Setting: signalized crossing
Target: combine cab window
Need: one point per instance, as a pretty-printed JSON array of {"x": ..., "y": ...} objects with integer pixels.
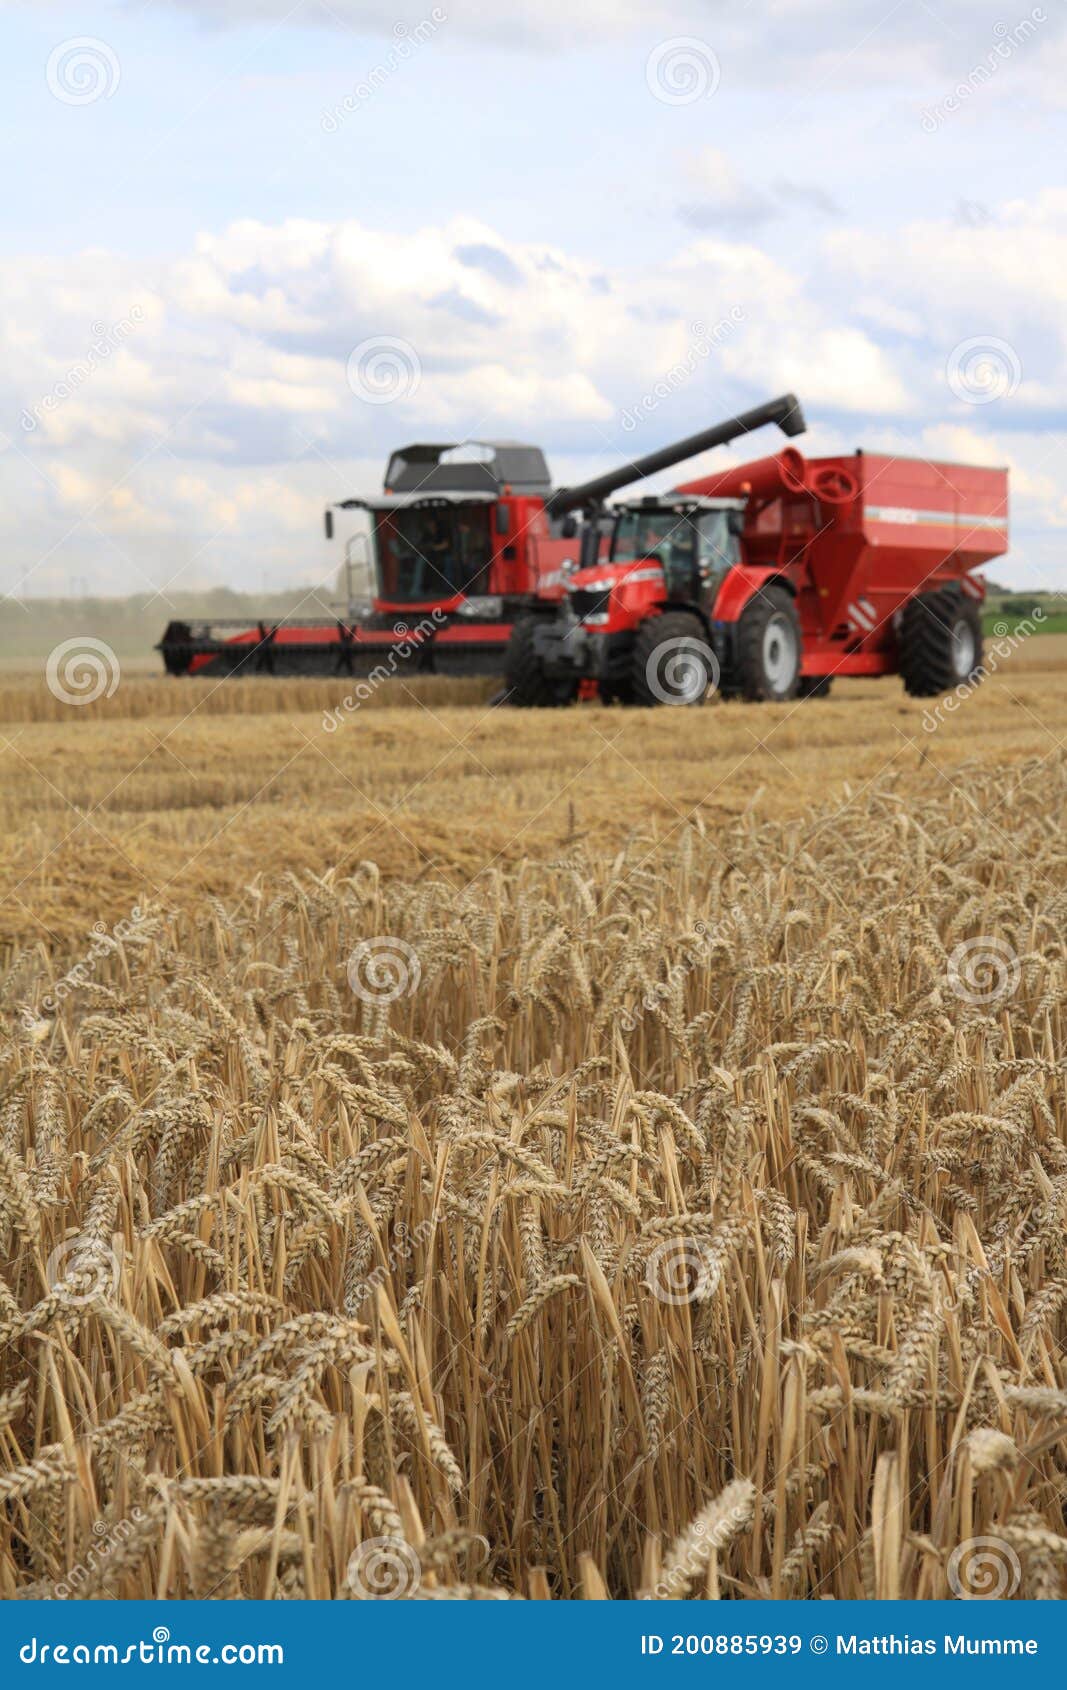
[
  {"x": 432, "y": 552},
  {"x": 694, "y": 547}
]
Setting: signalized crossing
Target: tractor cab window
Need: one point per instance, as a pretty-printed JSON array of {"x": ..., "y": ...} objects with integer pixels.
[
  {"x": 433, "y": 551},
  {"x": 694, "y": 547}
]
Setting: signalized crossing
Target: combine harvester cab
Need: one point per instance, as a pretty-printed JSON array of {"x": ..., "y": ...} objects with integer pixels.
[{"x": 768, "y": 580}]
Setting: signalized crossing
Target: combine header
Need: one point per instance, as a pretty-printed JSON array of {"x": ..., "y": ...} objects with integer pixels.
[
  {"x": 769, "y": 580},
  {"x": 464, "y": 541}
]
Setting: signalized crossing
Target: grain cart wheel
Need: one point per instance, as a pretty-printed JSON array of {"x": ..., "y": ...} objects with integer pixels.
[
  {"x": 526, "y": 683},
  {"x": 672, "y": 662},
  {"x": 940, "y": 642},
  {"x": 814, "y": 686},
  {"x": 768, "y": 647}
]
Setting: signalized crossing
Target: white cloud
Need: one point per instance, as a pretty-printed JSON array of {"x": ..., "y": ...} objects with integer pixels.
[{"x": 206, "y": 437}]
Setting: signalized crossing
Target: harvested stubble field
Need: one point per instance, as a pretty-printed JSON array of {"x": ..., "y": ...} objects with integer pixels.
[{"x": 674, "y": 1205}]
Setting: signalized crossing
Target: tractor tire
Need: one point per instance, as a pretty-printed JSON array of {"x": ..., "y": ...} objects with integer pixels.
[
  {"x": 526, "y": 684},
  {"x": 672, "y": 661},
  {"x": 768, "y": 648},
  {"x": 939, "y": 641},
  {"x": 814, "y": 686}
]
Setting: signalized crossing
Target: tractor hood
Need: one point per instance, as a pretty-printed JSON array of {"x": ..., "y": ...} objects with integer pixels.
[{"x": 601, "y": 577}]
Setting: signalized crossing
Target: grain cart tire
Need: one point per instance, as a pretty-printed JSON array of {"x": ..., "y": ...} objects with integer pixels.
[
  {"x": 940, "y": 642},
  {"x": 526, "y": 684},
  {"x": 768, "y": 647},
  {"x": 671, "y": 662},
  {"x": 814, "y": 686}
]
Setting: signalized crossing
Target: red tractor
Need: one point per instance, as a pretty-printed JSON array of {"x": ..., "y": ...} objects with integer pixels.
[
  {"x": 463, "y": 541},
  {"x": 767, "y": 581}
]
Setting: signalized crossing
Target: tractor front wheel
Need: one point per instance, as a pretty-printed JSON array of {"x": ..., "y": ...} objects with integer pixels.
[
  {"x": 768, "y": 647},
  {"x": 671, "y": 661},
  {"x": 940, "y": 642},
  {"x": 527, "y": 684}
]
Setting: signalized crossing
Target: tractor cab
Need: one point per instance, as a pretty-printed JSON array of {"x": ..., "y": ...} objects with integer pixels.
[{"x": 693, "y": 540}]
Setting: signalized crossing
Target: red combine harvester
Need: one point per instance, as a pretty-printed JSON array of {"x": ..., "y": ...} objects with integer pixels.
[
  {"x": 463, "y": 541},
  {"x": 769, "y": 580}
]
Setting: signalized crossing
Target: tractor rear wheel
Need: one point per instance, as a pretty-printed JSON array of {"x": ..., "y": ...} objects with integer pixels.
[
  {"x": 940, "y": 642},
  {"x": 526, "y": 683},
  {"x": 768, "y": 647},
  {"x": 671, "y": 661}
]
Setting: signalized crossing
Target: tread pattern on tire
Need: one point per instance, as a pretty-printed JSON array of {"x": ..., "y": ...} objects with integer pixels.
[
  {"x": 750, "y": 679},
  {"x": 924, "y": 641},
  {"x": 527, "y": 686},
  {"x": 657, "y": 631}
]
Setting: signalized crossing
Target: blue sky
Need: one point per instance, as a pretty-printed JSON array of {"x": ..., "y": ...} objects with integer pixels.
[{"x": 557, "y": 221}]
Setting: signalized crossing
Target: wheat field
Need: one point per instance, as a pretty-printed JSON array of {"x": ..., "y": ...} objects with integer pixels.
[{"x": 618, "y": 1154}]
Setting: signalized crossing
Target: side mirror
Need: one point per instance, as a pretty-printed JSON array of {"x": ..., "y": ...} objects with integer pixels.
[
  {"x": 569, "y": 528},
  {"x": 735, "y": 522},
  {"x": 329, "y": 524},
  {"x": 503, "y": 519}
]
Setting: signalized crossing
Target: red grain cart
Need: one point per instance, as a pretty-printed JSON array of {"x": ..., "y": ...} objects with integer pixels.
[{"x": 769, "y": 580}]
